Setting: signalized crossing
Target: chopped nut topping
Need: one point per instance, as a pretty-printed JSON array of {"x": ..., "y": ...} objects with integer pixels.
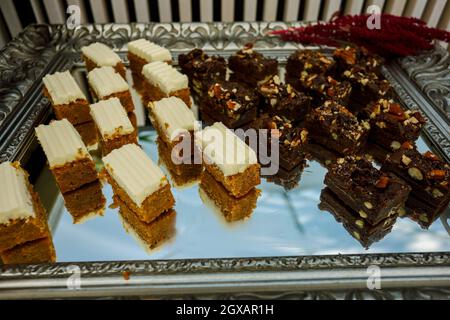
[
  {"x": 415, "y": 173},
  {"x": 395, "y": 145},
  {"x": 383, "y": 182},
  {"x": 359, "y": 223},
  {"x": 407, "y": 145},
  {"x": 406, "y": 160},
  {"x": 431, "y": 156},
  {"x": 368, "y": 205},
  {"x": 362, "y": 214},
  {"x": 437, "y": 193},
  {"x": 437, "y": 174}
]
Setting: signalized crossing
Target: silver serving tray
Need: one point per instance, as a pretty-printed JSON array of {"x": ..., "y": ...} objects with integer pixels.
[{"x": 287, "y": 249}]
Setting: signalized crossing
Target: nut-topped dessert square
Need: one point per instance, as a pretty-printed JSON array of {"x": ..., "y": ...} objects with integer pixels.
[
  {"x": 309, "y": 62},
  {"x": 138, "y": 182},
  {"x": 429, "y": 178},
  {"x": 230, "y": 103},
  {"x": 105, "y": 83},
  {"x": 349, "y": 56},
  {"x": 250, "y": 67},
  {"x": 202, "y": 70},
  {"x": 98, "y": 55},
  {"x": 176, "y": 126},
  {"x": 67, "y": 99},
  {"x": 162, "y": 81},
  {"x": 113, "y": 124},
  {"x": 68, "y": 157},
  {"x": 334, "y": 127},
  {"x": 283, "y": 100},
  {"x": 22, "y": 216},
  {"x": 373, "y": 194}
]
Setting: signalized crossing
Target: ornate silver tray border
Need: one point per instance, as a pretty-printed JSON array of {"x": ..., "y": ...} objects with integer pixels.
[{"x": 24, "y": 61}]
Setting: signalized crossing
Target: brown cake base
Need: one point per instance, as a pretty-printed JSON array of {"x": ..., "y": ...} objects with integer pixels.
[
  {"x": 33, "y": 252},
  {"x": 85, "y": 202},
  {"x": 21, "y": 231},
  {"x": 88, "y": 133},
  {"x": 239, "y": 184},
  {"x": 159, "y": 201},
  {"x": 154, "y": 93},
  {"x": 119, "y": 67},
  {"x": 232, "y": 208},
  {"x": 153, "y": 233},
  {"x": 75, "y": 112},
  {"x": 137, "y": 63},
  {"x": 181, "y": 174},
  {"x": 75, "y": 174},
  {"x": 118, "y": 141}
]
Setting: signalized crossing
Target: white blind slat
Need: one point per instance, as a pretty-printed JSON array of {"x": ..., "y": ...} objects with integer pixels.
[
  {"x": 165, "y": 11},
  {"x": 291, "y": 8},
  {"x": 433, "y": 12},
  {"x": 379, "y": 3},
  {"x": 415, "y": 8},
  {"x": 444, "y": 23},
  {"x": 185, "y": 10},
  {"x": 11, "y": 18},
  {"x": 142, "y": 10},
  {"x": 4, "y": 36},
  {"x": 354, "y": 6},
  {"x": 99, "y": 11},
  {"x": 395, "y": 7},
  {"x": 250, "y": 10},
  {"x": 270, "y": 10},
  {"x": 37, "y": 11},
  {"x": 80, "y": 4},
  {"x": 330, "y": 7},
  {"x": 312, "y": 8},
  {"x": 227, "y": 8},
  {"x": 206, "y": 10},
  {"x": 55, "y": 11},
  {"x": 120, "y": 11}
]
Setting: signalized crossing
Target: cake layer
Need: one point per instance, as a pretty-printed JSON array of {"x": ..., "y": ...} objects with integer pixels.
[
  {"x": 62, "y": 88},
  {"x": 172, "y": 116},
  {"x": 149, "y": 51},
  {"x": 105, "y": 81},
  {"x": 165, "y": 77},
  {"x": 111, "y": 118},
  {"x": 101, "y": 54},
  {"x": 32, "y": 252},
  {"x": 61, "y": 143},
  {"x": 134, "y": 172},
  {"x": 15, "y": 199},
  {"x": 224, "y": 149}
]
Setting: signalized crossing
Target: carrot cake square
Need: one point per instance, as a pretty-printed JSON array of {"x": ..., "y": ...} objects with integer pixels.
[
  {"x": 232, "y": 208},
  {"x": 85, "y": 202},
  {"x": 67, "y": 99},
  {"x": 141, "y": 52},
  {"x": 138, "y": 182},
  {"x": 88, "y": 133},
  {"x": 68, "y": 157},
  {"x": 22, "y": 216},
  {"x": 32, "y": 252},
  {"x": 151, "y": 233},
  {"x": 105, "y": 83},
  {"x": 175, "y": 122},
  {"x": 98, "y": 55},
  {"x": 113, "y": 124},
  {"x": 228, "y": 159},
  {"x": 162, "y": 81}
]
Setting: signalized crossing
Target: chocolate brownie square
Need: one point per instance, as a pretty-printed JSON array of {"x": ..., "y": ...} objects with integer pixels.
[
  {"x": 349, "y": 56},
  {"x": 309, "y": 61}
]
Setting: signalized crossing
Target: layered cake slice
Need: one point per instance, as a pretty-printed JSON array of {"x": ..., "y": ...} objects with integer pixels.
[
  {"x": 23, "y": 219},
  {"x": 98, "y": 55},
  {"x": 67, "y": 99},
  {"x": 176, "y": 125},
  {"x": 89, "y": 134},
  {"x": 138, "y": 182},
  {"x": 429, "y": 178},
  {"x": 113, "y": 124},
  {"x": 105, "y": 83},
  {"x": 142, "y": 51},
  {"x": 67, "y": 156},
  {"x": 162, "y": 81},
  {"x": 32, "y": 252}
]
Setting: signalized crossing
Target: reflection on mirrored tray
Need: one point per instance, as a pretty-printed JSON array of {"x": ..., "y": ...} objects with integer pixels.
[{"x": 284, "y": 223}]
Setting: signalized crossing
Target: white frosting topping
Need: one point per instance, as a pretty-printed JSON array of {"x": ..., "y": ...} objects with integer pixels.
[
  {"x": 15, "y": 198},
  {"x": 223, "y": 148},
  {"x": 111, "y": 118},
  {"x": 63, "y": 88},
  {"x": 173, "y": 116},
  {"x": 164, "y": 76},
  {"x": 134, "y": 172},
  {"x": 61, "y": 143},
  {"x": 149, "y": 51},
  {"x": 101, "y": 54},
  {"x": 105, "y": 81}
]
